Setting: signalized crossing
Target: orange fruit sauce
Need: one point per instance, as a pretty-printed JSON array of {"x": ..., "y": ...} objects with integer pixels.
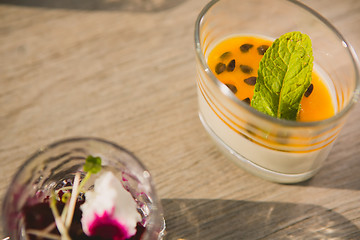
[{"x": 244, "y": 52}]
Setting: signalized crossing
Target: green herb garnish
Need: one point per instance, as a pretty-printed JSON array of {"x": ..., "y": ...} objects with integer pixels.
[
  {"x": 284, "y": 75},
  {"x": 92, "y": 164},
  {"x": 63, "y": 221}
]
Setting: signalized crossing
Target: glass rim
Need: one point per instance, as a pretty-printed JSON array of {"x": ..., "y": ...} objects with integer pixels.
[
  {"x": 54, "y": 144},
  {"x": 287, "y": 123}
]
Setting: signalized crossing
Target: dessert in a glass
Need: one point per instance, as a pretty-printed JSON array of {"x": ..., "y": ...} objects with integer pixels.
[
  {"x": 83, "y": 188},
  {"x": 275, "y": 84}
]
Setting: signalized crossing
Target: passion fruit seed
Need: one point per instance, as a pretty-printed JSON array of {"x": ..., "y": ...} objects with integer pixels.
[
  {"x": 245, "y": 47},
  {"x": 262, "y": 49},
  {"x": 309, "y": 90},
  {"x": 246, "y": 68},
  {"x": 225, "y": 55},
  {"x": 220, "y": 67},
  {"x": 231, "y": 66},
  {"x": 246, "y": 100},
  {"x": 232, "y": 87},
  {"x": 250, "y": 81}
]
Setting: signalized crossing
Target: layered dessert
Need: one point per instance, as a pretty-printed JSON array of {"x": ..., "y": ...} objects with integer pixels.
[{"x": 276, "y": 151}]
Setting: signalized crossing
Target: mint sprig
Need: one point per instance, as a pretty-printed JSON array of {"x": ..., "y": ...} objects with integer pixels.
[{"x": 284, "y": 75}]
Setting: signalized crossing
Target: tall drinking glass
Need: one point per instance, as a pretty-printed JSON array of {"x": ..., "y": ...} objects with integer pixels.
[{"x": 275, "y": 149}]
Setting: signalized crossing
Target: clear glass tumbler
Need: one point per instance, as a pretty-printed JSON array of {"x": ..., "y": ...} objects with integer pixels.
[
  {"x": 55, "y": 165},
  {"x": 274, "y": 149}
]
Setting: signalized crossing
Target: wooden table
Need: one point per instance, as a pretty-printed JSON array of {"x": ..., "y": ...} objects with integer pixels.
[{"x": 125, "y": 71}]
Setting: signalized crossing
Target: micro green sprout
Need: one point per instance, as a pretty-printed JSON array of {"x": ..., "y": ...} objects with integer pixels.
[
  {"x": 69, "y": 197},
  {"x": 92, "y": 166}
]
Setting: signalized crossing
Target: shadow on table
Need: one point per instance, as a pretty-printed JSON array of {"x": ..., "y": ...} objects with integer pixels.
[
  {"x": 227, "y": 219},
  {"x": 94, "y": 5}
]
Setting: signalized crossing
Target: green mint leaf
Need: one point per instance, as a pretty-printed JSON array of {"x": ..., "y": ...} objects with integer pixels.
[
  {"x": 92, "y": 164},
  {"x": 284, "y": 75}
]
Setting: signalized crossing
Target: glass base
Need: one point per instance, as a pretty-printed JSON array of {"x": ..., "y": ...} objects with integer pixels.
[{"x": 252, "y": 167}]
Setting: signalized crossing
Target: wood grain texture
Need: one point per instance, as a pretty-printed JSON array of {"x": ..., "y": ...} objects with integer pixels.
[{"x": 126, "y": 73}]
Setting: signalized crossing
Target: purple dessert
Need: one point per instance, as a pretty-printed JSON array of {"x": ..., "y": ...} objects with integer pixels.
[{"x": 106, "y": 212}]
